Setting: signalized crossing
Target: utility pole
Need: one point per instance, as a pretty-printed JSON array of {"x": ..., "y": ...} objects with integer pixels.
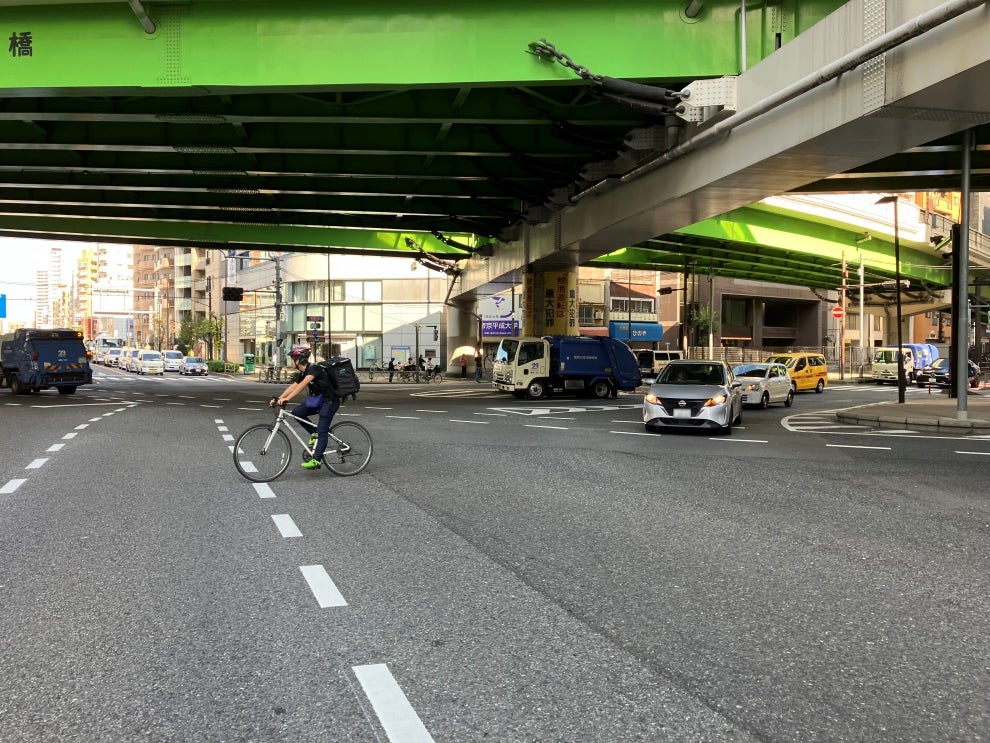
[{"x": 276, "y": 360}]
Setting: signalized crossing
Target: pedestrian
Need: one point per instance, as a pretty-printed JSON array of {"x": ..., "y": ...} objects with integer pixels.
[
  {"x": 321, "y": 399},
  {"x": 463, "y": 366},
  {"x": 478, "y": 359},
  {"x": 391, "y": 368},
  {"x": 422, "y": 363}
]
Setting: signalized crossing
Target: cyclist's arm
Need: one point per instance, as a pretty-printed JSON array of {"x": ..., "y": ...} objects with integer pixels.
[{"x": 293, "y": 389}]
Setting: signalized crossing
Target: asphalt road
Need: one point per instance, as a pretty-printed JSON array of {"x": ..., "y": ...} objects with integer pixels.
[{"x": 504, "y": 571}]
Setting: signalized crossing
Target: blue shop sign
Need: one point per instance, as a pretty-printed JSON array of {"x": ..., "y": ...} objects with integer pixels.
[{"x": 640, "y": 331}]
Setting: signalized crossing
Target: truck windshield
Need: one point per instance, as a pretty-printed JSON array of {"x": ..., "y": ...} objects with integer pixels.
[
  {"x": 884, "y": 357},
  {"x": 506, "y": 352}
]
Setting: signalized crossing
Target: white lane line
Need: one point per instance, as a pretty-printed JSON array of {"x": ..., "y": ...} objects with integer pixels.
[
  {"x": 210, "y": 406},
  {"x": 187, "y": 397},
  {"x": 254, "y": 409},
  {"x": 427, "y": 410},
  {"x": 222, "y": 428},
  {"x": 635, "y": 433},
  {"x": 375, "y": 407},
  {"x": 397, "y": 716},
  {"x": 228, "y": 437},
  {"x": 638, "y": 423},
  {"x": 175, "y": 403},
  {"x": 70, "y": 435},
  {"x": 11, "y": 486},
  {"x": 286, "y": 526},
  {"x": 262, "y": 488},
  {"x": 554, "y": 418},
  {"x": 494, "y": 415},
  {"x": 729, "y": 439},
  {"x": 81, "y": 426},
  {"x": 218, "y": 420},
  {"x": 55, "y": 447},
  {"x": 322, "y": 586},
  {"x": 480, "y": 423},
  {"x": 556, "y": 428},
  {"x": 37, "y": 464},
  {"x": 851, "y": 446},
  {"x": 404, "y": 417},
  {"x": 977, "y": 453},
  {"x": 94, "y": 420}
]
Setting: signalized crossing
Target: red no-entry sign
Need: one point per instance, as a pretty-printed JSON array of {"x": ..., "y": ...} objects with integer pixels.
[{"x": 838, "y": 313}]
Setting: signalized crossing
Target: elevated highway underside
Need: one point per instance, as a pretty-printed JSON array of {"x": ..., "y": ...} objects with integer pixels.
[{"x": 288, "y": 126}]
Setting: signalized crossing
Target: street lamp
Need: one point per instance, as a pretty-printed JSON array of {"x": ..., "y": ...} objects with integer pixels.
[{"x": 901, "y": 381}]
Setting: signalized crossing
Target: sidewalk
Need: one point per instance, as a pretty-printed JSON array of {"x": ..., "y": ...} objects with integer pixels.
[{"x": 924, "y": 412}]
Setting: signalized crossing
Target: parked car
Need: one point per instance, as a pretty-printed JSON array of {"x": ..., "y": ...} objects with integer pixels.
[
  {"x": 763, "y": 384},
  {"x": 939, "y": 374},
  {"x": 694, "y": 394},
  {"x": 111, "y": 357},
  {"x": 128, "y": 360},
  {"x": 808, "y": 371},
  {"x": 194, "y": 365},
  {"x": 149, "y": 362},
  {"x": 651, "y": 362},
  {"x": 172, "y": 359}
]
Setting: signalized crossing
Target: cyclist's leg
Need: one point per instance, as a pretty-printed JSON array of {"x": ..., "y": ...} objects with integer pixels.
[
  {"x": 327, "y": 411},
  {"x": 304, "y": 411}
]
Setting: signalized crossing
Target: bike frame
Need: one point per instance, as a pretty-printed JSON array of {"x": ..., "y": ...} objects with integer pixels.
[{"x": 284, "y": 416}]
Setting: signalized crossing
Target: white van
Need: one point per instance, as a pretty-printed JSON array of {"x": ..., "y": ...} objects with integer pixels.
[
  {"x": 149, "y": 362},
  {"x": 172, "y": 359},
  {"x": 651, "y": 362}
]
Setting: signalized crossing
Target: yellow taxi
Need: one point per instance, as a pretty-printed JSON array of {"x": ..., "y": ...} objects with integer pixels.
[{"x": 808, "y": 370}]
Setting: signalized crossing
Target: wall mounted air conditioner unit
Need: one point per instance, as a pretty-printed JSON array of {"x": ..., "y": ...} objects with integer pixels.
[{"x": 599, "y": 315}]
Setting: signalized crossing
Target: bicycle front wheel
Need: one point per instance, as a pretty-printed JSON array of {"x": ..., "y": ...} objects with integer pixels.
[
  {"x": 349, "y": 449},
  {"x": 261, "y": 453},
  {"x": 437, "y": 378}
]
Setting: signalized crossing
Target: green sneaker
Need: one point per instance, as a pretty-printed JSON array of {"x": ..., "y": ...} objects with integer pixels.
[
  {"x": 311, "y": 464},
  {"x": 312, "y": 440}
]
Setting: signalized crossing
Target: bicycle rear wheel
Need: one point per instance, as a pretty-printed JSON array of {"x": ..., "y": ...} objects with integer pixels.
[
  {"x": 351, "y": 451},
  {"x": 262, "y": 454}
]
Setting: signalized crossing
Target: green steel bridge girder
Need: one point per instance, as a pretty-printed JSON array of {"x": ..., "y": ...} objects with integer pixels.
[
  {"x": 259, "y": 45},
  {"x": 758, "y": 245},
  {"x": 272, "y": 237}
]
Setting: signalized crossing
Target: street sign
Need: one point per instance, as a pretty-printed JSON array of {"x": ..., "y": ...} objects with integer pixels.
[
  {"x": 838, "y": 313},
  {"x": 314, "y": 318}
]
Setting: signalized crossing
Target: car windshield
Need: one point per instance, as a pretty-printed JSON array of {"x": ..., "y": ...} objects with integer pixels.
[
  {"x": 750, "y": 370},
  {"x": 173, "y": 354},
  {"x": 787, "y": 361},
  {"x": 194, "y": 360},
  {"x": 152, "y": 357},
  {"x": 691, "y": 374},
  {"x": 939, "y": 364}
]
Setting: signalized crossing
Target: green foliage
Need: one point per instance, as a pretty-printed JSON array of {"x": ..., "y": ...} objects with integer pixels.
[{"x": 705, "y": 321}]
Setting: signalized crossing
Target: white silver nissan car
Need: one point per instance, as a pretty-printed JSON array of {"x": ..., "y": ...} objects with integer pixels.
[{"x": 697, "y": 393}]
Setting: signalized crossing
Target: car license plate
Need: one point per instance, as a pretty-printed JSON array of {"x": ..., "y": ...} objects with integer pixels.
[{"x": 682, "y": 413}]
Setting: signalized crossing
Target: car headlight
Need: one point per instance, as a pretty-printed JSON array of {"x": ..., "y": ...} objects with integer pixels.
[
  {"x": 652, "y": 399},
  {"x": 716, "y": 400},
  {"x": 754, "y": 387}
]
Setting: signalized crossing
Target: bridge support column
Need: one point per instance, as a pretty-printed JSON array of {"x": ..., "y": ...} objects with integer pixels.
[{"x": 550, "y": 303}]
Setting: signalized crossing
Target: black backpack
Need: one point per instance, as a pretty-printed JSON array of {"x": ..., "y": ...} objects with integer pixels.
[{"x": 343, "y": 380}]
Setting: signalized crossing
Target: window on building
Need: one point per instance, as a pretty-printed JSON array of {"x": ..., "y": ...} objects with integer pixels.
[{"x": 734, "y": 311}]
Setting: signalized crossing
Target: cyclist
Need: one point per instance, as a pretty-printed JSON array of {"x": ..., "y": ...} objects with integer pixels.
[{"x": 318, "y": 382}]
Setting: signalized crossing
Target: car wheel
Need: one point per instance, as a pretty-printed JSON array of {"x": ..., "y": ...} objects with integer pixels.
[
  {"x": 820, "y": 387},
  {"x": 789, "y": 400},
  {"x": 765, "y": 401}
]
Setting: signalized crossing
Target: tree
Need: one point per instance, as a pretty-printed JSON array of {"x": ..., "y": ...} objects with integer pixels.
[{"x": 705, "y": 321}]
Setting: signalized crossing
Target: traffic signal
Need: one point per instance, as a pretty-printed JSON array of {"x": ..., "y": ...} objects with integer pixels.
[
  {"x": 232, "y": 294},
  {"x": 665, "y": 290}
]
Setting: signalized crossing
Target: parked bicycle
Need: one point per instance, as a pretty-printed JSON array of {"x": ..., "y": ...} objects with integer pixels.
[
  {"x": 263, "y": 452},
  {"x": 271, "y": 374},
  {"x": 377, "y": 370}
]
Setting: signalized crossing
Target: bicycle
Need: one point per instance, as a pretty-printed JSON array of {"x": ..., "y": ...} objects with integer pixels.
[
  {"x": 263, "y": 451},
  {"x": 376, "y": 370},
  {"x": 270, "y": 374}
]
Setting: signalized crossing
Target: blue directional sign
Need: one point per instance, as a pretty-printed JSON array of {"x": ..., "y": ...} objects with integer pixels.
[{"x": 3, "y": 305}]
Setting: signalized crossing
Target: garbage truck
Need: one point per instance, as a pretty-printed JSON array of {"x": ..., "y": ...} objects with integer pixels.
[
  {"x": 561, "y": 364},
  {"x": 33, "y": 359},
  {"x": 915, "y": 356}
]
